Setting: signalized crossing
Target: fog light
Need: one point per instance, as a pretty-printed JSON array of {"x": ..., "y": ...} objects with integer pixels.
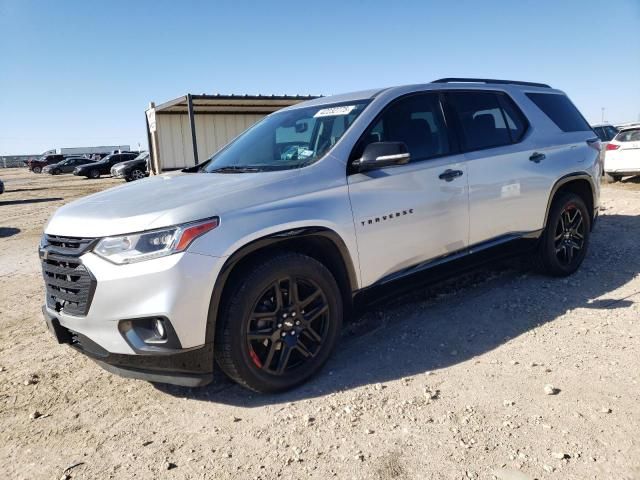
[{"x": 161, "y": 332}]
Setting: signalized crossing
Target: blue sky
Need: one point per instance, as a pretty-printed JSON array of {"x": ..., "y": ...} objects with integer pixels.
[{"x": 78, "y": 73}]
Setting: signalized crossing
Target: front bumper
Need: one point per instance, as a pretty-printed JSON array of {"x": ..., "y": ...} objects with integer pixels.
[
  {"x": 118, "y": 173},
  {"x": 176, "y": 288},
  {"x": 192, "y": 367}
]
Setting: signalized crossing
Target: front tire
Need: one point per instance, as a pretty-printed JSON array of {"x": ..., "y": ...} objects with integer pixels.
[
  {"x": 565, "y": 240},
  {"x": 94, "y": 173},
  {"x": 136, "y": 174},
  {"x": 36, "y": 169},
  {"x": 279, "y": 324}
]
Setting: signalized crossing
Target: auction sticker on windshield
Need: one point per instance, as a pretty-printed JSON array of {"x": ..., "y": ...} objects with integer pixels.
[{"x": 328, "y": 112}]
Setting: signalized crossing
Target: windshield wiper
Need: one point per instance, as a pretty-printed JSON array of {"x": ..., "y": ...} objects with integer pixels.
[{"x": 235, "y": 169}]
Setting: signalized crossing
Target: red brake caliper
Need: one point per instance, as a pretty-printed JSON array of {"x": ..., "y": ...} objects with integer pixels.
[{"x": 255, "y": 358}]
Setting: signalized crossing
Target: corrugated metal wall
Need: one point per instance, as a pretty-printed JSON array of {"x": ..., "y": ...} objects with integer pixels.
[{"x": 213, "y": 131}]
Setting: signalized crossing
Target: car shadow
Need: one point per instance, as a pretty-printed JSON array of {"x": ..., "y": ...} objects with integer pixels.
[
  {"x": 30, "y": 200},
  {"x": 456, "y": 321},
  {"x": 8, "y": 231}
]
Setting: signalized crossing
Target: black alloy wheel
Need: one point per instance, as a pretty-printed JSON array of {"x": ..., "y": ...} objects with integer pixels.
[
  {"x": 564, "y": 243},
  {"x": 36, "y": 169},
  {"x": 278, "y": 323},
  {"x": 288, "y": 325},
  {"x": 569, "y": 234},
  {"x": 94, "y": 173}
]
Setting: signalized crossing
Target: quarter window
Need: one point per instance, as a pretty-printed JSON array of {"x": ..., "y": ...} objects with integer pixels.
[
  {"x": 487, "y": 119},
  {"x": 415, "y": 120},
  {"x": 561, "y": 111}
]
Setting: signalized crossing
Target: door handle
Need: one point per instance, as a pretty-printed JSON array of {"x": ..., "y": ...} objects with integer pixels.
[
  {"x": 537, "y": 157},
  {"x": 448, "y": 175}
]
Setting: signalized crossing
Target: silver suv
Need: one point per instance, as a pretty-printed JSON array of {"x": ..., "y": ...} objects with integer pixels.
[{"x": 253, "y": 259}]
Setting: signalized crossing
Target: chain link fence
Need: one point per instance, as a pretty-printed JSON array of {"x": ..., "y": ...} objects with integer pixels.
[{"x": 12, "y": 161}]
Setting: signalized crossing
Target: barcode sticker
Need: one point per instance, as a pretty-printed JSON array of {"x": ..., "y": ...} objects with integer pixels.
[{"x": 334, "y": 111}]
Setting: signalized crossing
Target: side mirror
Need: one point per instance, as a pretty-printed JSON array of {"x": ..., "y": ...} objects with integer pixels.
[{"x": 383, "y": 154}]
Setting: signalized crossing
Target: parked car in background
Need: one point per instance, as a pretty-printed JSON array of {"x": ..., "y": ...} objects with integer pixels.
[
  {"x": 103, "y": 167},
  {"x": 66, "y": 166},
  {"x": 36, "y": 165},
  {"x": 622, "y": 157},
  {"x": 251, "y": 258},
  {"x": 605, "y": 131},
  {"x": 135, "y": 169},
  {"x": 1, "y": 187}
]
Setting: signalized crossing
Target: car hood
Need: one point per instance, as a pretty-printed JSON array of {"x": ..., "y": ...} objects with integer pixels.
[
  {"x": 165, "y": 200},
  {"x": 129, "y": 163},
  {"x": 93, "y": 164}
]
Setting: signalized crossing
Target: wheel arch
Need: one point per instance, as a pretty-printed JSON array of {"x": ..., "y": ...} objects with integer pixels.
[
  {"x": 320, "y": 243},
  {"x": 579, "y": 183}
]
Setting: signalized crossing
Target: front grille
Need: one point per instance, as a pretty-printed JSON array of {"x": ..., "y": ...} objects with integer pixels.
[
  {"x": 68, "y": 245},
  {"x": 69, "y": 285}
]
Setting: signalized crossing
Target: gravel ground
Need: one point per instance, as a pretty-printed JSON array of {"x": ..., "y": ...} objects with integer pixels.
[{"x": 500, "y": 374}]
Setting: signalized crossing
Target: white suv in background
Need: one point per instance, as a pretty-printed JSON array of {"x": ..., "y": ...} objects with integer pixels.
[
  {"x": 622, "y": 157},
  {"x": 252, "y": 259}
]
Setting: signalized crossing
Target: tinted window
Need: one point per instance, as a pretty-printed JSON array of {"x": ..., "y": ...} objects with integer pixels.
[
  {"x": 482, "y": 120},
  {"x": 417, "y": 121},
  {"x": 561, "y": 111},
  {"x": 629, "y": 136},
  {"x": 610, "y": 132},
  {"x": 600, "y": 133},
  {"x": 516, "y": 121}
]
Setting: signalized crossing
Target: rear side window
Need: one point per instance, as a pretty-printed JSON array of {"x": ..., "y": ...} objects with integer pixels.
[
  {"x": 629, "y": 136},
  {"x": 416, "y": 120},
  {"x": 610, "y": 132},
  {"x": 487, "y": 119},
  {"x": 600, "y": 133},
  {"x": 561, "y": 111}
]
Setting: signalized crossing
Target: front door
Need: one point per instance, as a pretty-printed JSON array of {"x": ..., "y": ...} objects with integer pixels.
[{"x": 408, "y": 214}]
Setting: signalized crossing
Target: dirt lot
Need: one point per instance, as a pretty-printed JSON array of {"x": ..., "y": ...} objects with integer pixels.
[{"x": 445, "y": 383}]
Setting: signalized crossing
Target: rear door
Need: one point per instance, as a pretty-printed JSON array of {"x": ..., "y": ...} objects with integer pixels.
[
  {"x": 507, "y": 190},
  {"x": 405, "y": 215}
]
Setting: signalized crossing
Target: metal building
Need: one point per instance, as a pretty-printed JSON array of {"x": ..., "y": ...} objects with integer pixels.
[{"x": 189, "y": 129}]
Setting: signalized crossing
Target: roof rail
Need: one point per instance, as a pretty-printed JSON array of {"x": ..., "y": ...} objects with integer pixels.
[{"x": 489, "y": 80}]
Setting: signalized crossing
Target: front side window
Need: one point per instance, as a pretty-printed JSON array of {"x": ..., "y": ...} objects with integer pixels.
[
  {"x": 415, "y": 120},
  {"x": 484, "y": 120},
  {"x": 287, "y": 139}
]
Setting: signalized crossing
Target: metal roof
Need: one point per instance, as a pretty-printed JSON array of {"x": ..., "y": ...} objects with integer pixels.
[{"x": 231, "y": 103}]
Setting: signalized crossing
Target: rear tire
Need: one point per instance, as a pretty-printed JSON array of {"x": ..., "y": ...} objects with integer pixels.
[
  {"x": 565, "y": 240},
  {"x": 270, "y": 338}
]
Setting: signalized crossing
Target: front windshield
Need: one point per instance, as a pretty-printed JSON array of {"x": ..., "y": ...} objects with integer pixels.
[{"x": 287, "y": 139}]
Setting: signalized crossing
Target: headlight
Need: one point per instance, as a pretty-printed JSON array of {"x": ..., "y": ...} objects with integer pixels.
[{"x": 136, "y": 247}]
